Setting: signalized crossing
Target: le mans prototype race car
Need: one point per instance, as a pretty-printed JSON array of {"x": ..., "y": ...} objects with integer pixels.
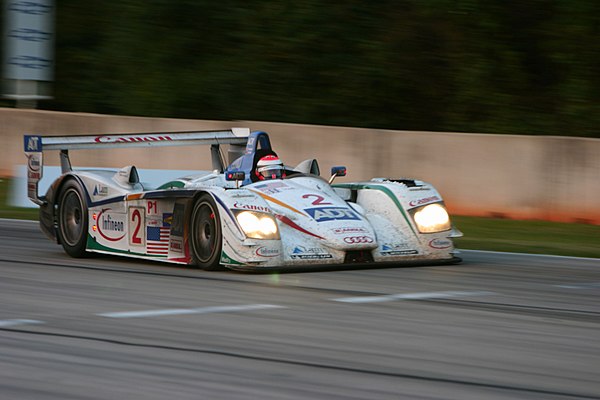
[{"x": 229, "y": 218}]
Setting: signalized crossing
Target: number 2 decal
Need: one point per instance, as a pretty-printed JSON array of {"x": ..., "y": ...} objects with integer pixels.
[
  {"x": 136, "y": 226},
  {"x": 318, "y": 201}
]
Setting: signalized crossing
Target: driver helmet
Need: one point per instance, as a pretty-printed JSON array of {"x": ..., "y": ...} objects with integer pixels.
[{"x": 270, "y": 167}]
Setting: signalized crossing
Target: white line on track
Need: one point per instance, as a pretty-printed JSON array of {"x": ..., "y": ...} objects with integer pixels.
[
  {"x": 184, "y": 311},
  {"x": 590, "y": 285},
  {"x": 410, "y": 296},
  {"x": 529, "y": 255},
  {"x": 7, "y": 323},
  {"x": 27, "y": 221}
]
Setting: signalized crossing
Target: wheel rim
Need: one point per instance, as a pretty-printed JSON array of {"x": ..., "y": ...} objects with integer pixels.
[
  {"x": 205, "y": 232},
  {"x": 71, "y": 217}
]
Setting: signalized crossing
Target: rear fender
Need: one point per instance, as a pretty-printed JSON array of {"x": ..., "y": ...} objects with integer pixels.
[{"x": 48, "y": 222}]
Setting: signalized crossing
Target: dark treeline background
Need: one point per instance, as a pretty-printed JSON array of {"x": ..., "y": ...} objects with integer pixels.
[{"x": 510, "y": 66}]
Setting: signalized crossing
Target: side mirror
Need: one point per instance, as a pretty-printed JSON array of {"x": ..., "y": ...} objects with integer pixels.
[
  {"x": 235, "y": 175},
  {"x": 337, "y": 171}
]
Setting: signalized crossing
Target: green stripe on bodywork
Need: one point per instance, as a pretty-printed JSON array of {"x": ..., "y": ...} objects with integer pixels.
[
  {"x": 171, "y": 185},
  {"x": 225, "y": 259},
  {"x": 385, "y": 190},
  {"x": 93, "y": 245}
]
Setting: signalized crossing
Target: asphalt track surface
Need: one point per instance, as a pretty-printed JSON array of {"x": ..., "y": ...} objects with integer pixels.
[{"x": 497, "y": 326}]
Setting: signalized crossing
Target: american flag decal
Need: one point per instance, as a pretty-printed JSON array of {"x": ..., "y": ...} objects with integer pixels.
[{"x": 157, "y": 240}]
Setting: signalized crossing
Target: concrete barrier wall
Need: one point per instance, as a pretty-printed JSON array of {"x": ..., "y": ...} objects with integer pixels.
[{"x": 524, "y": 177}]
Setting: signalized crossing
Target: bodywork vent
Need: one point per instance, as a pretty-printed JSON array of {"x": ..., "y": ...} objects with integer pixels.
[{"x": 358, "y": 257}]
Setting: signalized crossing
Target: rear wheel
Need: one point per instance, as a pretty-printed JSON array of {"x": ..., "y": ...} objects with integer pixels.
[
  {"x": 205, "y": 234},
  {"x": 72, "y": 217}
]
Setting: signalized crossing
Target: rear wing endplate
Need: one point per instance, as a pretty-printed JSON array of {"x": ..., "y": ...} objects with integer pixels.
[{"x": 36, "y": 144}]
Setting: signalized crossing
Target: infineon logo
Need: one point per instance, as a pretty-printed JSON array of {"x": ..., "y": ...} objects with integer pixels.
[
  {"x": 110, "y": 227},
  {"x": 131, "y": 139}
]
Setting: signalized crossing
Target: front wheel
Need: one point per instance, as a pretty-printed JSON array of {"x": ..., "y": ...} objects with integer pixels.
[
  {"x": 205, "y": 234},
  {"x": 72, "y": 217}
]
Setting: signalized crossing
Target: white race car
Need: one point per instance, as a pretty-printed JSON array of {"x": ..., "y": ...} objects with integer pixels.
[{"x": 234, "y": 217}]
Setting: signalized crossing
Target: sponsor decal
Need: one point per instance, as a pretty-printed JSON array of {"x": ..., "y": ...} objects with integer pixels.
[
  {"x": 34, "y": 166},
  {"x": 111, "y": 227},
  {"x": 131, "y": 139},
  {"x": 394, "y": 246},
  {"x": 33, "y": 162},
  {"x": 167, "y": 220},
  {"x": 251, "y": 207},
  {"x": 154, "y": 222},
  {"x": 176, "y": 246},
  {"x": 397, "y": 249},
  {"x": 33, "y": 143},
  {"x": 423, "y": 201},
  {"x": 349, "y": 230},
  {"x": 157, "y": 240},
  {"x": 325, "y": 214},
  {"x": 309, "y": 253},
  {"x": 267, "y": 252},
  {"x": 399, "y": 253},
  {"x": 272, "y": 187},
  {"x": 100, "y": 190},
  {"x": 250, "y": 144},
  {"x": 440, "y": 243},
  {"x": 225, "y": 259},
  {"x": 32, "y": 190},
  {"x": 358, "y": 239}
]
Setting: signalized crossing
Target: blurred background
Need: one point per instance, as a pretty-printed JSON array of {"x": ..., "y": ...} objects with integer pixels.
[
  {"x": 495, "y": 103},
  {"x": 517, "y": 67}
]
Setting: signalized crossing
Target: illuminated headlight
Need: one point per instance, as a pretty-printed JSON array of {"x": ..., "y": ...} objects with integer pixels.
[
  {"x": 257, "y": 225},
  {"x": 432, "y": 218}
]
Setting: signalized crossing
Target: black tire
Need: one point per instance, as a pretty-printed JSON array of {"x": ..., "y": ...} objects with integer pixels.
[
  {"x": 72, "y": 217},
  {"x": 206, "y": 240}
]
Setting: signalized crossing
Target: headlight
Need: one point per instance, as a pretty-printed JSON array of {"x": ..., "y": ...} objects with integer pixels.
[
  {"x": 432, "y": 218},
  {"x": 258, "y": 225}
]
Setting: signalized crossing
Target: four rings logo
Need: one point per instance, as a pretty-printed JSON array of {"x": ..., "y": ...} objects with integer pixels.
[
  {"x": 131, "y": 139},
  {"x": 358, "y": 239}
]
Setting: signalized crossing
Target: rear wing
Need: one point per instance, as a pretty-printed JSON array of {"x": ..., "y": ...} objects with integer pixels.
[{"x": 35, "y": 145}]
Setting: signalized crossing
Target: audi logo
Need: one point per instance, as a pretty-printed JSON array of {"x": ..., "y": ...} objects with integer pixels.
[{"x": 358, "y": 239}]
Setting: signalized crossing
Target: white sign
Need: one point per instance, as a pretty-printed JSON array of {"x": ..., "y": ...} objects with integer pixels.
[{"x": 29, "y": 40}]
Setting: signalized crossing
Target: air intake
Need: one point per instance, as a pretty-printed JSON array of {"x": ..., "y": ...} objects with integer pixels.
[{"x": 358, "y": 257}]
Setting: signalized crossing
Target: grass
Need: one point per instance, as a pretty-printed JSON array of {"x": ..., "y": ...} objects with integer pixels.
[
  {"x": 540, "y": 237},
  {"x": 7, "y": 211}
]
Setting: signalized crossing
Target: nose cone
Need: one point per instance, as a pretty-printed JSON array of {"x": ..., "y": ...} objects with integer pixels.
[
  {"x": 310, "y": 206},
  {"x": 342, "y": 227}
]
